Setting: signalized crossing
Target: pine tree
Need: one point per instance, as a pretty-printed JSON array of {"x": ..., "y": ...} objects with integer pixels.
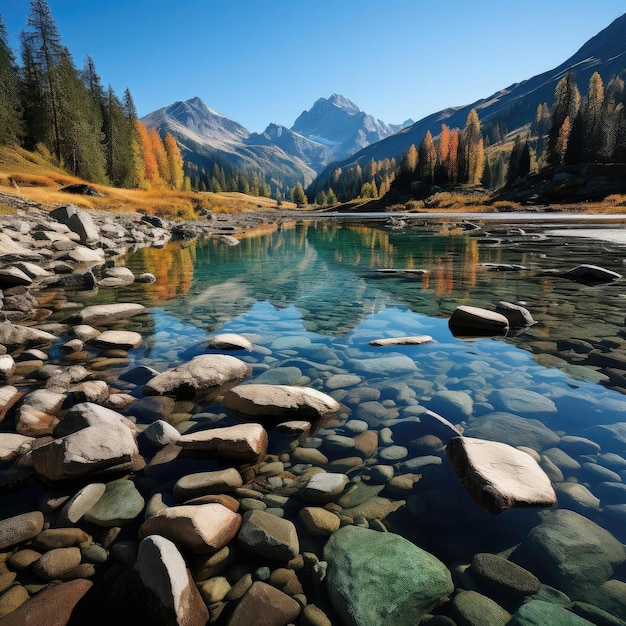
[
  {"x": 566, "y": 106},
  {"x": 11, "y": 129},
  {"x": 150, "y": 166},
  {"x": 409, "y": 163},
  {"x": 562, "y": 141},
  {"x": 298, "y": 196},
  {"x": 471, "y": 151},
  {"x": 427, "y": 159}
]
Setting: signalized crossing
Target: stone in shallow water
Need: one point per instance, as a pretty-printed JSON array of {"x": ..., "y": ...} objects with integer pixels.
[
  {"x": 380, "y": 578},
  {"x": 521, "y": 401},
  {"x": 112, "y": 339},
  {"x": 162, "y": 569},
  {"x": 497, "y": 476},
  {"x": 240, "y": 443},
  {"x": 119, "y": 505},
  {"x": 325, "y": 487},
  {"x": 386, "y": 366},
  {"x": 414, "y": 340},
  {"x": 199, "y": 528},
  {"x": 204, "y": 483},
  {"x": 101, "y": 314},
  {"x": 540, "y": 613},
  {"x": 517, "y": 315},
  {"x": 269, "y": 536},
  {"x": 474, "y": 609},
  {"x": 474, "y": 321},
  {"x": 455, "y": 406},
  {"x": 19, "y": 528},
  {"x": 264, "y": 604},
  {"x": 504, "y": 577},
  {"x": 9, "y": 397},
  {"x": 576, "y": 554},
  {"x": 228, "y": 341},
  {"x": 591, "y": 273},
  {"x": 280, "y": 401}
]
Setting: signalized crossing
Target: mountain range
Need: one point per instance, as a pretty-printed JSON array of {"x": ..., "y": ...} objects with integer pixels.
[
  {"x": 331, "y": 130},
  {"x": 513, "y": 107}
]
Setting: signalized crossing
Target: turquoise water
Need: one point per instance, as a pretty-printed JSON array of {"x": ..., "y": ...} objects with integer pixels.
[{"x": 312, "y": 298}]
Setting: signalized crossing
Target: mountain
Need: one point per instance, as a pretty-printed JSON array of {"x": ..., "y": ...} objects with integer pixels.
[
  {"x": 339, "y": 124},
  {"x": 205, "y": 136},
  {"x": 512, "y": 107}
]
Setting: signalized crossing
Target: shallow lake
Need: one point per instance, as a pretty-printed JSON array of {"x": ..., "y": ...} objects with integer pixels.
[{"x": 311, "y": 296}]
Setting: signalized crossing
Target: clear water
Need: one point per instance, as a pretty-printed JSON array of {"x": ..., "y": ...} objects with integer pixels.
[{"x": 311, "y": 298}]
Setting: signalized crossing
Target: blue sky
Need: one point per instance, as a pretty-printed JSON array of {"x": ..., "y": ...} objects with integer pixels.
[{"x": 260, "y": 62}]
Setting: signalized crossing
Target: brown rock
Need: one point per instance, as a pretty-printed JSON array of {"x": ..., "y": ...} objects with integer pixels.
[
  {"x": 58, "y": 564},
  {"x": 20, "y": 528},
  {"x": 242, "y": 443},
  {"x": 263, "y": 604}
]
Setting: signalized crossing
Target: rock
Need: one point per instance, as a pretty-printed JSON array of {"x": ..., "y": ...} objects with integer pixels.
[
  {"x": 386, "y": 366},
  {"x": 591, "y": 274},
  {"x": 119, "y": 505},
  {"x": 381, "y": 578},
  {"x": 78, "y": 222},
  {"x": 52, "y": 538},
  {"x": 497, "y": 476},
  {"x": 204, "y": 377},
  {"x": 117, "y": 339},
  {"x": 16, "y": 338},
  {"x": 12, "y": 276},
  {"x": 325, "y": 487},
  {"x": 416, "y": 340},
  {"x": 13, "y": 445},
  {"x": 280, "y": 402},
  {"x": 521, "y": 401},
  {"x": 503, "y": 577},
  {"x": 264, "y": 604},
  {"x": 15, "y": 530},
  {"x": 228, "y": 240},
  {"x": 473, "y": 321},
  {"x": 540, "y": 613},
  {"x": 242, "y": 443},
  {"x": 82, "y": 189},
  {"x": 57, "y": 564},
  {"x": 319, "y": 521},
  {"x": 204, "y": 483},
  {"x": 106, "y": 447},
  {"x": 146, "y": 277},
  {"x": 87, "y": 414},
  {"x": 576, "y": 554},
  {"x": 435, "y": 424},
  {"x": 38, "y": 413},
  {"x": 474, "y": 609},
  {"x": 455, "y": 406},
  {"x": 160, "y": 433},
  {"x": 121, "y": 273},
  {"x": 9, "y": 397},
  {"x": 83, "y": 500},
  {"x": 199, "y": 528},
  {"x": 228, "y": 341},
  {"x": 76, "y": 280},
  {"x": 55, "y": 600},
  {"x": 103, "y": 314},
  {"x": 511, "y": 429},
  {"x": 162, "y": 570},
  {"x": 268, "y": 536},
  {"x": 518, "y": 316},
  {"x": 12, "y": 599}
]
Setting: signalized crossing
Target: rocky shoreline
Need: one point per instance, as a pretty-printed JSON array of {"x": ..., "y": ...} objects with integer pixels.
[{"x": 126, "y": 498}]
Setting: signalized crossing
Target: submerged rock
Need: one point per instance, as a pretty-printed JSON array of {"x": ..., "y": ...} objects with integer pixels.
[
  {"x": 474, "y": 321},
  {"x": 518, "y": 316},
  {"x": 497, "y": 476},
  {"x": 101, "y": 314},
  {"x": 379, "y": 578},
  {"x": 591, "y": 273}
]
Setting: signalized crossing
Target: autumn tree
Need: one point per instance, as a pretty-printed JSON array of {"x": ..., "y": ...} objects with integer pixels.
[
  {"x": 566, "y": 106},
  {"x": 150, "y": 166},
  {"x": 427, "y": 159},
  {"x": 471, "y": 151},
  {"x": 10, "y": 106},
  {"x": 560, "y": 149},
  {"x": 410, "y": 160},
  {"x": 175, "y": 162},
  {"x": 297, "y": 194}
]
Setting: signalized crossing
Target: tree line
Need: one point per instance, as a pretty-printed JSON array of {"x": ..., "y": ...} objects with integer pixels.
[{"x": 66, "y": 114}]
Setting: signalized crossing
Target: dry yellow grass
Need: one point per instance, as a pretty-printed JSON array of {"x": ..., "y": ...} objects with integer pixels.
[{"x": 35, "y": 178}]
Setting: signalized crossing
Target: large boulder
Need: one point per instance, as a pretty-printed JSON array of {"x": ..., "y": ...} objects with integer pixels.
[
  {"x": 379, "y": 578},
  {"x": 242, "y": 443},
  {"x": 592, "y": 274},
  {"x": 497, "y": 476},
  {"x": 280, "y": 402},
  {"x": 204, "y": 377},
  {"x": 161, "y": 569},
  {"x": 15, "y": 337},
  {"x": 264, "y": 604},
  {"x": 78, "y": 222},
  {"x": 574, "y": 554}
]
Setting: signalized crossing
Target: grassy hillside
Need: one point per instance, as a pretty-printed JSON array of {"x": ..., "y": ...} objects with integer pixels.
[{"x": 31, "y": 176}]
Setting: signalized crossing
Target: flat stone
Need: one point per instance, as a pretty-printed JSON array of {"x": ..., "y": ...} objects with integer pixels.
[
  {"x": 15, "y": 337},
  {"x": 471, "y": 320},
  {"x": 376, "y": 578},
  {"x": 161, "y": 568},
  {"x": 497, "y": 476},
  {"x": 280, "y": 402},
  {"x": 228, "y": 341},
  {"x": 241, "y": 443},
  {"x": 474, "y": 609},
  {"x": 205, "y": 483},
  {"x": 264, "y": 604},
  {"x": 342, "y": 381},
  {"x": 294, "y": 428},
  {"x": 540, "y": 613},
  {"x": 591, "y": 273},
  {"x": 11, "y": 276},
  {"x": 9, "y": 397},
  {"x": 268, "y": 536},
  {"x": 20, "y": 528},
  {"x": 415, "y": 340},
  {"x": 53, "y": 538},
  {"x": 103, "y": 314},
  {"x": 83, "y": 500},
  {"x": 161, "y": 433},
  {"x": 501, "y": 576},
  {"x": 454, "y": 406},
  {"x": 386, "y": 366},
  {"x": 521, "y": 401},
  {"x": 325, "y": 487},
  {"x": 204, "y": 377},
  {"x": 199, "y": 528},
  {"x": 117, "y": 339}
]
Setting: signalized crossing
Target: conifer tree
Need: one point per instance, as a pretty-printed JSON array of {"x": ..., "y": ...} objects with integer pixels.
[
  {"x": 10, "y": 108},
  {"x": 297, "y": 194},
  {"x": 566, "y": 106},
  {"x": 175, "y": 163},
  {"x": 471, "y": 151},
  {"x": 427, "y": 159}
]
